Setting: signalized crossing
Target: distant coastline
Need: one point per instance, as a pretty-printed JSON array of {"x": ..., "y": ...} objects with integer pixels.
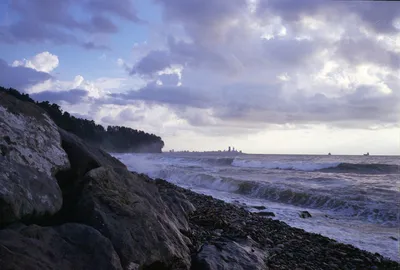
[{"x": 225, "y": 151}]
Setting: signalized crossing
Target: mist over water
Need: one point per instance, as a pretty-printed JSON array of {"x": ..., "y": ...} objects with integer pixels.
[{"x": 353, "y": 199}]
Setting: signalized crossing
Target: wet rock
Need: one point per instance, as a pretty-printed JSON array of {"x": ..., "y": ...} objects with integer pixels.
[
  {"x": 132, "y": 214},
  {"x": 70, "y": 246},
  {"x": 259, "y": 207},
  {"x": 265, "y": 214},
  {"x": 84, "y": 157},
  {"x": 229, "y": 255},
  {"x": 305, "y": 214},
  {"x": 26, "y": 193},
  {"x": 177, "y": 203},
  {"x": 31, "y": 155}
]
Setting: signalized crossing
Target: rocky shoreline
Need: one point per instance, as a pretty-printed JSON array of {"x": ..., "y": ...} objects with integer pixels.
[
  {"x": 65, "y": 204},
  {"x": 217, "y": 223}
]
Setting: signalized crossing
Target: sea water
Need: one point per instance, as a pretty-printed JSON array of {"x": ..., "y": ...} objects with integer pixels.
[{"x": 352, "y": 199}]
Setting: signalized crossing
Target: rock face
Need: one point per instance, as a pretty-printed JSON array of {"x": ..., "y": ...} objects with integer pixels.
[
  {"x": 70, "y": 246},
  {"x": 30, "y": 156},
  {"x": 130, "y": 212},
  {"x": 85, "y": 157},
  {"x": 227, "y": 254}
]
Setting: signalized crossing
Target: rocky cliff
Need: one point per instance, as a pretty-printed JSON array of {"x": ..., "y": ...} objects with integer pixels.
[{"x": 68, "y": 205}]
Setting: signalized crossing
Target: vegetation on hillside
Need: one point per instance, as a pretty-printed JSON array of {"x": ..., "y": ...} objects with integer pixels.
[{"x": 112, "y": 139}]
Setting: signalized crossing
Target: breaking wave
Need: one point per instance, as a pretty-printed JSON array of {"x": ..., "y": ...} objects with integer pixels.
[
  {"x": 352, "y": 204},
  {"x": 336, "y": 167}
]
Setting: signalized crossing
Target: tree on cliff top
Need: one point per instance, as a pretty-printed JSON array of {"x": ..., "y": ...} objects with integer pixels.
[{"x": 113, "y": 139}]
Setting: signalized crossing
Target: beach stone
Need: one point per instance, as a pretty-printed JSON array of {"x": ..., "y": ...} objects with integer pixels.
[
  {"x": 229, "y": 255},
  {"x": 65, "y": 247},
  {"x": 30, "y": 157}
]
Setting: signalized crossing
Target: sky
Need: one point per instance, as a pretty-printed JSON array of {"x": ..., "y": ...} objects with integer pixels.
[{"x": 264, "y": 76}]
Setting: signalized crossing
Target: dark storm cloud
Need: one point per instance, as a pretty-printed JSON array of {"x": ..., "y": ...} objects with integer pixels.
[
  {"x": 93, "y": 46},
  {"x": 291, "y": 10},
  {"x": 169, "y": 79},
  {"x": 376, "y": 15},
  {"x": 183, "y": 53},
  {"x": 101, "y": 24},
  {"x": 20, "y": 77},
  {"x": 54, "y": 20},
  {"x": 154, "y": 61},
  {"x": 73, "y": 96},
  {"x": 156, "y": 94},
  {"x": 126, "y": 115},
  {"x": 122, "y": 8},
  {"x": 129, "y": 115},
  {"x": 29, "y": 31},
  {"x": 363, "y": 50},
  {"x": 207, "y": 12},
  {"x": 365, "y": 103}
]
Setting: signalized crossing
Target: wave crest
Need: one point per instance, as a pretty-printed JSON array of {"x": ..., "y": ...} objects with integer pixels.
[{"x": 337, "y": 167}]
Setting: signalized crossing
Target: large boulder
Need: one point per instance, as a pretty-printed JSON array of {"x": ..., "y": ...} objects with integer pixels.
[
  {"x": 70, "y": 246},
  {"x": 129, "y": 210},
  {"x": 30, "y": 156},
  {"x": 178, "y": 205},
  {"x": 228, "y": 254},
  {"x": 85, "y": 157}
]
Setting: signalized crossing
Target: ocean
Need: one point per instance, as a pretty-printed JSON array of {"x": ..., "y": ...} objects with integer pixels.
[{"x": 352, "y": 199}]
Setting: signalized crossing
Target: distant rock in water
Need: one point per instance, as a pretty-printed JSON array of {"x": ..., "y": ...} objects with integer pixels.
[
  {"x": 305, "y": 214},
  {"x": 265, "y": 214}
]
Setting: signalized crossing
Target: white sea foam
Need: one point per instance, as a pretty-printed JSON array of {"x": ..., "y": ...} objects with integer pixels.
[{"x": 300, "y": 166}]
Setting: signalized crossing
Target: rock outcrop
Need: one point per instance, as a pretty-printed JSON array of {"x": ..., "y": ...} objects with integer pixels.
[
  {"x": 69, "y": 246},
  {"x": 131, "y": 213},
  {"x": 30, "y": 156}
]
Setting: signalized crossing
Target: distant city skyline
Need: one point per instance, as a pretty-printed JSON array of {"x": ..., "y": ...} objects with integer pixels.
[{"x": 229, "y": 150}]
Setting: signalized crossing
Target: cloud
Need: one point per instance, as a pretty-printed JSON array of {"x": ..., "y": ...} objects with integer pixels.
[
  {"x": 44, "y": 62},
  {"x": 364, "y": 50},
  {"x": 376, "y": 16},
  {"x": 73, "y": 96},
  {"x": 122, "y": 8},
  {"x": 58, "y": 21},
  {"x": 158, "y": 94},
  {"x": 153, "y": 62},
  {"x": 275, "y": 63},
  {"x": 20, "y": 77},
  {"x": 236, "y": 65},
  {"x": 92, "y": 46}
]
